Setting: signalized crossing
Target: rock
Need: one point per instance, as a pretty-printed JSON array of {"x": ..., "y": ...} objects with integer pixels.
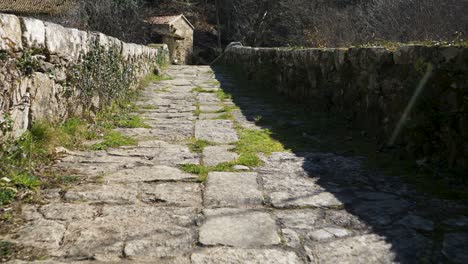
[
  {"x": 238, "y": 228},
  {"x": 171, "y": 194},
  {"x": 20, "y": 116},
  {"x": 320, "y": 235},
  {"x": 44, "y": 103},
  {"x": 174, "y": 131},
  {"x": 291, "y": 238},
  {"x": 455, "y": 247},
  {"x": 235, "y": 255},
  {"x": 57, "y": 40},
  {"x": 214, "y": 155},
  {"x": 217, "y": 131},
  {"x": 206, "y": 98},
  {"x": 43, "y": 234},
  {"x": 328, "y": 232},
  {"x": 204, "y": 116},
  {"x": 461, "y": 221},
  {"x": 211, "y": 108},
  {"x": 33, "y": 33},
  {"x": 381, "y": 212},
  {"x": 359, "y": 249},
  {"x": 68, "y": 212},
  {"x": 324, "y": 199},
  {"x": 231, "y": 189},
  {"x": 241, "y": 168},
  {"x": 150, "y": 174},
  {"x": 142, "y": 233},
  {"x": 10, "y": 33},
  {"x": 109, "y": 194},
  {"x": 409, "y": 245},
  {"x": 417, "y": 222},
  {"x": 303, "y": 219}
]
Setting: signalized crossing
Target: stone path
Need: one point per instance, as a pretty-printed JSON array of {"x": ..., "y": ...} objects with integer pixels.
[{"x": 138, "y": 206}]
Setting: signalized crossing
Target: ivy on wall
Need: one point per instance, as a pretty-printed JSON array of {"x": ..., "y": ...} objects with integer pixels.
[{"x": 101, "y": 75}]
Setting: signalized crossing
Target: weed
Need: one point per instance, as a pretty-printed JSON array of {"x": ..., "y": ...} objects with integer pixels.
[
  {"x": 255, "y": 141},
  {"x": 28, "y": 63},
  {"x": 114, "y": 139},
  {"x": 149, "y": 107},
  {"x": 6, "y": 249},
  {"x": 159, "y": 78},
  {"x": 197, "y": 110},
  {"x": 225, "y": 116},
  {"x": 6, "y": 195},
  {"x": 223, "y": 95},
  {"x": 26, "y": 181},
  {"x": 199, "y": 170},
  {"x": 200, "y": 89},
  {"x": 131, "y": 122},
  {"x": 152, "y": 78},
  {"x": 197, "y": 146}
]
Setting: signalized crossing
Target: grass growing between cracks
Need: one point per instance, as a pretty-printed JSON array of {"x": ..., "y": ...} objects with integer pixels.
[
  {"x": 200, "y": 89},
  {"x": 250, "y": 144},
  {"x": 222, "y": 95},
  {"x": 113, "y": 140},
  {"x": 25, "y": 163},
  {"x": 197, "y": 146},
  {"x": 197, "y": 110},
  {"x": 152, "y": 78}
]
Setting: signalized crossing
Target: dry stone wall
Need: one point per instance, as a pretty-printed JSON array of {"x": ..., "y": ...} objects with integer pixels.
[
  {"x": 41, "y": 64},
  {"x": 372, "y": 87}
]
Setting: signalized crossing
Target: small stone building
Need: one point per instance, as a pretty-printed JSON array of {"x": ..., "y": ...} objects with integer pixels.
[{"x": 177, "y": 33}]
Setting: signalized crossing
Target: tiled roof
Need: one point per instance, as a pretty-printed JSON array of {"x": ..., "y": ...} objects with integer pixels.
[
  {"x": 36, "y": 6},
  {"x": 161, "y": 20}
]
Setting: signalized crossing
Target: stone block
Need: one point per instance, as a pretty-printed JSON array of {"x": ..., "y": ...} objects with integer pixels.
[
  {"x": 33, "y": 33},
  {"x": 58, "y": 40},
  {"x": 238, "y": 228},
  {"x": 10, "y": 33},
  {"x": 233, "y": 255}
]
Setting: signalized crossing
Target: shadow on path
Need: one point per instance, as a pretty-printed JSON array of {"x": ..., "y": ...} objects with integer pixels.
[{"x": 369, "y": 217}]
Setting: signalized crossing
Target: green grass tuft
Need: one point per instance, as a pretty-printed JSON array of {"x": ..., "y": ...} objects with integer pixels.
[
  {"x": 199, "y": 170},
  {"x": 197, "y": 146},
  {"x": 6, "y": 195},
  {"x": 113, "y": 140},
  {"x": 223, "y": 95},
  {"x": 149, "y": 107},
  {"x": 200, "y": 89}
]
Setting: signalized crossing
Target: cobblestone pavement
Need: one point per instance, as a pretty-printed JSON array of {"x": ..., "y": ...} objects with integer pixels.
[{"x": 138, "y": 206}]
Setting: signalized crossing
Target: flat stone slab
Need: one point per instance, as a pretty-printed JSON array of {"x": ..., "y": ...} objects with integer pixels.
[
  {"x": 360, "y": 249},
  {"x": 43, "y": 234},
  {"x": 218, "y": 131},
  {"x": 141, "y": 233},
  {"x": 214, "y": 155},
  {"x": 455, "y": 247},
  {"x": 232, "y": 189},
  {"x": 207, "y": 98},
  {"x": 237, "y": 255},
  {"x": 171, "y": 194},
  {"x": 204, "y": 116},
  {"x": 163, "y": 131},
  {"x": 68, "y": 211},
  {"x": 158, "y": 153},
  {"x": 211, "y": 108},
  {"x": 150, "y": 174},
  {"x": 98, "y": 193},
  {"x": 290, "y": 200},
  {"x": 238, "y": 228}
]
